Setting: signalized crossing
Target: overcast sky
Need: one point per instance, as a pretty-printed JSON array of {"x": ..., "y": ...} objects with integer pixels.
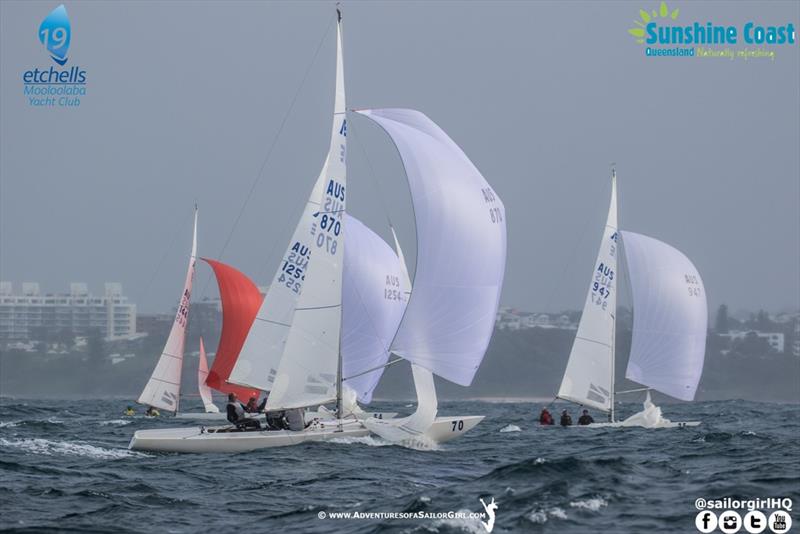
[{"x": 184, "y": 101}]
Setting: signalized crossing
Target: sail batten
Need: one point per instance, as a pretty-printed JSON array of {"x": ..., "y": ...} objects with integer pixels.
[
  {"x": 164, "y": 386},
  {"x": 452, "y": 308}
]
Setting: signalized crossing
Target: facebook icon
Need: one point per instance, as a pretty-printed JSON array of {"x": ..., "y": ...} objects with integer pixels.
[{"x": 706, "y": 521}]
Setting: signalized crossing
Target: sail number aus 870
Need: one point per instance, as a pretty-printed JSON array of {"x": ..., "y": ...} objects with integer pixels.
[{"x": 458, "y": 425}]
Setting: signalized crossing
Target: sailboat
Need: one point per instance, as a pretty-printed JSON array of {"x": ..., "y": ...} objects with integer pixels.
[
  {"x": 669, "y": 327},
  {"x": 294, "y": 346},
  {"x": 240, "y": 300},
  {"x": 163, "y": 389},
  {"x": 461, "y": 254}
]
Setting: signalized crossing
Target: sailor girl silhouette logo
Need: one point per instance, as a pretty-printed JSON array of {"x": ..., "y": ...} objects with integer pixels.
[
  {"x": 490, "y": 509},
  {"x": 55, "y": 34}
]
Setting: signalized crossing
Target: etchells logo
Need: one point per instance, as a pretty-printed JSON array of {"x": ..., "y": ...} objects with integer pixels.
[
  {"x": 664, "y": 36},
  {"x": 51, "y": 86},
  {"x": 55, "y": 33}
]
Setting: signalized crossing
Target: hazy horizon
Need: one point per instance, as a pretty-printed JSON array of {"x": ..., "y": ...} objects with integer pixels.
[{"x": 184, "y": 100}]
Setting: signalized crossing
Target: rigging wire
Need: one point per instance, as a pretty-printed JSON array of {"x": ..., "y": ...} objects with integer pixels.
[
  {"x": 269, "y": 154},
  {"x": 177, "y": 230}
]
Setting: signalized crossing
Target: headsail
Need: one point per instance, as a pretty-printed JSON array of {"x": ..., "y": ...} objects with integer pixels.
[
  {"x": 670, "y": 317},
  {"x": 266, "y": 340},
  {"x": 373, "y": 301},
  {"x": 461, "y": 250},
  {"x": 164, "y": 387},
  {"x": 309, "y": 366},
  {"x": 202, "y": 374},
  {"x": 241, "y": 300},
  {"x": 588, "y": 379}
]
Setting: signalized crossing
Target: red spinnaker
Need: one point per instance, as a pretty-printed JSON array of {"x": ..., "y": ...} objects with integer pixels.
[{"x": 240, "y": 303}]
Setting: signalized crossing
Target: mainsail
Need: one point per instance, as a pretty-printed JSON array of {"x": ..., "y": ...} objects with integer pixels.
[
  {"x": 461, "y": 250},
  {"x": 163, "y": 389},
  {"x": 589, "y": 378},
  {"x": 241, "y": 300},
  {"x": 202, "y": 374},
  {"x": 670, "y": 317},
  {"x": 309, "y": 368},
  {"x": 266, "y": 340},
  {"x": 373, "y": 300}
]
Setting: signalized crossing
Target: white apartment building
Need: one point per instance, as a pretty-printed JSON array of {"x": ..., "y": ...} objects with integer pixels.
[{"x": 78, "y": 311}]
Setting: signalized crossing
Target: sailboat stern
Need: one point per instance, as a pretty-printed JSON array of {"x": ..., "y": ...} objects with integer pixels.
[{"x": 444, "y": 429}]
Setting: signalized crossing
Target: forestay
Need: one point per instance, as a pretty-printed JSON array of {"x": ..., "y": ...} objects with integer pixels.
[
  {"x": 374, "y": 298},
  {"x": 202, "y": 374},
  {"x": 164, "y": 387},
  {"x": 588, "y": 379},
  {"x": 265, "y": 343},
  {"x": 670, "y": 317},
  {"x": 461, "y": 254},
  {"x": 308, "y": 370}
]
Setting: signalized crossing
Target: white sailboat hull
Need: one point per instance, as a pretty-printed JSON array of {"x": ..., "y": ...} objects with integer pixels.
[
  {"x": 623, "y": 424},
  {"x": 208, "y": 440},
  {"x": 310, "y": 416},
  {"x": 445, "y": 429}
]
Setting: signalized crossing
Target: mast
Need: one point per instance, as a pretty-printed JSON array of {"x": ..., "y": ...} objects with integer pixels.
[
  {"x": 614, "y": 313},
  {"x": 339, "y": 377}
]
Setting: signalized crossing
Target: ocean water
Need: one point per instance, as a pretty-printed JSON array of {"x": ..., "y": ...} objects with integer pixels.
[{"x": 65, "y": 466}]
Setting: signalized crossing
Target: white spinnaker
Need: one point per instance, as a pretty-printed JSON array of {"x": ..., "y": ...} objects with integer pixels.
[
  {"x": 202, "y": 374},
  {"x": 670, "y": 317},
  {"x": 373, "y": 301},
  {"x": 258, "y": 360},
  {"x": 461, "y": 250},
  {"x": 588, "y": 378},
  {"x": 307, "y": 373},
  {"x": 413, "y": 427},
  {"x": 164, "y": 387}
]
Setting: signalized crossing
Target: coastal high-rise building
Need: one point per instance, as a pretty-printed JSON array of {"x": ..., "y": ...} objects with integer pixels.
[{"x": 29, "y": 314}]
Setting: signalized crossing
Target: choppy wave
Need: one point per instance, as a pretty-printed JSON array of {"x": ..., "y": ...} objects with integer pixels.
[
  {"x": 553, "y": 480},
  {"x": 50, "y": 448},
  {"x": 511, "y": 428}
]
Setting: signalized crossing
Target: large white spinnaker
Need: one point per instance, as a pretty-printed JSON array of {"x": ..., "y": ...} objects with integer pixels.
[
  {"x": 461, "y": 250},
  {"x": 670, "y": 317},
  {"x": 258, "y": 360},
  {"x": 164, "y": 387},
  {"x": 202, "y": 374},
  {"x": 309, "y": 367},
  {"x": 589, "y": 377},
  {"x": 373, "y": 301}
]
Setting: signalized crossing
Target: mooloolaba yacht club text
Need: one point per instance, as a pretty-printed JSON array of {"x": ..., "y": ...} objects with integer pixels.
[{"x": 54, "y": 88}]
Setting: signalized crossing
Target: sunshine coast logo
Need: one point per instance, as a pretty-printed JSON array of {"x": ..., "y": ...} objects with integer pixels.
[
  {"x": 664, "y": 36},
  {"x": 52, "y": 86}
]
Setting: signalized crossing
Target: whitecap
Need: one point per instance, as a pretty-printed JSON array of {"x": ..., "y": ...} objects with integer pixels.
[
  {"x": 511, "y": 428},
  {"x": 590, "y": 504},
  {"x": 50, "y": 448},
  {"x": 9, "y": 424},
  {"x": 370, "y": 441},
  {"x": 540, "y": 516},
  {"x": 473, "y": 526},
  {"x": 119, "y": 422}
]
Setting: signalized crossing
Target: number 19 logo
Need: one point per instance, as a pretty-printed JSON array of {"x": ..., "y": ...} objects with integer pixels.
[{"x": 55, "y": 33}]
